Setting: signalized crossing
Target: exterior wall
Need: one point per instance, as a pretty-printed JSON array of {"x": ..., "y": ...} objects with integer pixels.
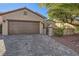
[
  {"x": 41, "y": 28},
  {"x": 1, "y": 24},
  {"x": 5, "y": 28},
  {"x": 44, "y": 31},
  {"x": 50, "y": 30},
  {"x": 19, "y": 15},
  {"x": 76, "y": 22},
  {"x": 1, "y": 19}
]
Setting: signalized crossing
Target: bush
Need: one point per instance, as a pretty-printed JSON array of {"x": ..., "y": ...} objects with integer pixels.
[{"x": 58, "y": 31}]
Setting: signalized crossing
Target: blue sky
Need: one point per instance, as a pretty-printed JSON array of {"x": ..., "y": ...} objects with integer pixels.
[{"x": 33, "y": 6}]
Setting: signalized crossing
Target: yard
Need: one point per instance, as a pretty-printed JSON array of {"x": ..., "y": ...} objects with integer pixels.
[
  {"x": 72, "y": 41},
  {"x": 77, "y": 29}
]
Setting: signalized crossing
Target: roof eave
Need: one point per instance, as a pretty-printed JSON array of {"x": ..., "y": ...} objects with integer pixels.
[{"x": 22, "y": 9}]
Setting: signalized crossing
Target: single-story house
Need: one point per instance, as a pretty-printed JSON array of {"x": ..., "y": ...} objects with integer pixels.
[{"x": 22, "y": 21}]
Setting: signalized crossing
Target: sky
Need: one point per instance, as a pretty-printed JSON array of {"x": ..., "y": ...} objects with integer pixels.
[{"x": 33, "y": 6}]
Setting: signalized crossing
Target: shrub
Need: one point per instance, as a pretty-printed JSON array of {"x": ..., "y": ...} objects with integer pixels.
[{"x": 58, "y": 31}]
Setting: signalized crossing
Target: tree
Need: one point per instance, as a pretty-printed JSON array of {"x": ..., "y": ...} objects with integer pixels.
[{"x": 62, "y": 11}]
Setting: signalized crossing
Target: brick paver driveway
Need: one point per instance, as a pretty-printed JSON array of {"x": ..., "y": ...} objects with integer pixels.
[{"x": 32, "y": 45}]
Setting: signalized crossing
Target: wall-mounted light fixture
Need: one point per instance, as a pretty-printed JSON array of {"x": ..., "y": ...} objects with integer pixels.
[{"x": 4, "y": 20}]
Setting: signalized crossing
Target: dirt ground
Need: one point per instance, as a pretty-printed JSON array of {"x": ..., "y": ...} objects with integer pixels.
[{"x": 72, "y": 41}]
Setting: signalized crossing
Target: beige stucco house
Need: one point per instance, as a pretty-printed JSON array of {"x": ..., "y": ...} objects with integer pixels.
[{"x": 22, "y": 21}]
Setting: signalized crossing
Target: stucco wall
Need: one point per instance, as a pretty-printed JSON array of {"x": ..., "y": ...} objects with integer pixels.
[
  {"x": 19, "y": 15},
  {"x": 1, "y": 19},
  {"x": 5, "y": 28},
  {"x": 50, "y": 30},
  {"x": 76, "y": 22},
  {"x": 41, "y": 28}
]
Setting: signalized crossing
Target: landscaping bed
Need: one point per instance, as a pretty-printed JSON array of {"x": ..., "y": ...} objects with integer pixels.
[{"x": 72, "y": 41}]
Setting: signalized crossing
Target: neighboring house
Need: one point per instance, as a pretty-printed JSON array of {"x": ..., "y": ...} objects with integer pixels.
[{"x": 22, "y": 21}]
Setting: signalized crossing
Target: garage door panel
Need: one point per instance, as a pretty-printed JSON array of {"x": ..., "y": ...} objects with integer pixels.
[{"x": 19, "y": 27}]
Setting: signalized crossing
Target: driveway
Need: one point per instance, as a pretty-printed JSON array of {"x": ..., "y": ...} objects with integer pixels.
[{"x": 32, "y": 45}]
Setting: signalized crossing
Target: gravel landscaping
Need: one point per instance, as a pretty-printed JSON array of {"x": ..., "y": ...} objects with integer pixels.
[
  {"x": 33, "y": 45},
  {"x": 71, "y": 41}
]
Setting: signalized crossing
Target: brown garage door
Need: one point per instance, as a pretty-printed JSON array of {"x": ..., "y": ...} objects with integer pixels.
[{"x": 23, "y": 27}]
